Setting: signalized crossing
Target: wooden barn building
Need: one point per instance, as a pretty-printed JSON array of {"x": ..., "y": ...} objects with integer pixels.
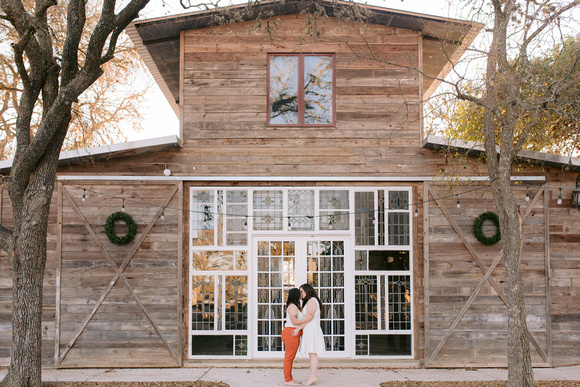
[{"x": 301, "y": 158}]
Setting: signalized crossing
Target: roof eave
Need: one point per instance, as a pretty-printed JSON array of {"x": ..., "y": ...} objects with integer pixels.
[
  {"x": 477, "y": 149},
  {"x": 154, "y": 31},
  {"x": 78, "y": 156}
]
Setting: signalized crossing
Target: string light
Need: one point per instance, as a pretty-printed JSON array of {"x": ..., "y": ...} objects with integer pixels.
[
  {"x": 528, "y": 194},
  {"x": 84, "y": 194},
  {"x": 458, "y": 204},
  {"x": 330, "y": 222},
  {"x": 208, "y": 215},
  {"x": 560, "y": 196},
  {"x": 163, "y": 213},
  {"x": 44, "y": 184}
]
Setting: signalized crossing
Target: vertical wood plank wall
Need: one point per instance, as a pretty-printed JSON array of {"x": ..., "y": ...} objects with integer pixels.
[
  {"x": 564, "y": 277},
  {"x": 550, "y": 272},
  {"x": 135, "y": 325},
  {"x": 466, "y": 327}
]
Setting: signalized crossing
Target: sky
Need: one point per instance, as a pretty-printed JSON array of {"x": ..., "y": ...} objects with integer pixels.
[{"x": 159, "y": 118}]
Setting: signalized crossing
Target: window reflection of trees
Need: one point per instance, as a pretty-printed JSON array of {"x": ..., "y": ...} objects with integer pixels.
[
  {"x": 284, "y": 84},
  {"x": 284, "y": 90},
  {"x": 318, "y": 90}
]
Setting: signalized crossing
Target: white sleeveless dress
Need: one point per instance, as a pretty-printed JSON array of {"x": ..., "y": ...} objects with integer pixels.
[{"x": 312, "y": 337}]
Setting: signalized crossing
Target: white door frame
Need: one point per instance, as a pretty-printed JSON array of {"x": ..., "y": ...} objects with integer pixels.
[{"x": 300, "y": 241}]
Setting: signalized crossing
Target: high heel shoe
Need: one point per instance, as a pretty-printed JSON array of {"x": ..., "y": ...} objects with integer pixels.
[
  {"x": 292, "y": 383},
  {"x": 310, "y": 382}
]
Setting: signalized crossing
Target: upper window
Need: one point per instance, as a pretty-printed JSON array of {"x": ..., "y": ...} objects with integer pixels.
[{"x": 301, "y": 89}]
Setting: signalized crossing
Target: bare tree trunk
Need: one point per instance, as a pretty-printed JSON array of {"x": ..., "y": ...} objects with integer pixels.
[
  {"x": 520, "y": 373},
  {"x": 28, "y": 261}
]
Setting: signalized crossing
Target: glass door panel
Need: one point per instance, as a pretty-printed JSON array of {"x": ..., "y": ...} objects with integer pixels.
[
  {"x": 276, "y": 262},
  {"x": 284, "y": 264},
  {"x": 326, "y": 274}
]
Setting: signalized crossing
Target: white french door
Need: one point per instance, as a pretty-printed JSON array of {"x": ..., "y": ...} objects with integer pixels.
[{"x": 283, "y": 263}]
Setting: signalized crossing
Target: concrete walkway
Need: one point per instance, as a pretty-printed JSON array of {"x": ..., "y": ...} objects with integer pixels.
[{"x": 258, "y": 377}]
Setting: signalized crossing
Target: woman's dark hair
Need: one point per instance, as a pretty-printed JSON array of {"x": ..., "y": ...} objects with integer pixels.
[
  {"x": 310, "y": 293},
  {"x": 293, "y": 298}
]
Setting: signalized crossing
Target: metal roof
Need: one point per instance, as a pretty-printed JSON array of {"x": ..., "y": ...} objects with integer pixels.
[
  {"x": 476, "y": 149},
  {"x": 109, "y": 151}
]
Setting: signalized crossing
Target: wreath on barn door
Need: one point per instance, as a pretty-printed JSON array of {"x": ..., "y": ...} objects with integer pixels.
[
  {"x": 478, "y": 228},
  {"x": 110, "y": 228}
]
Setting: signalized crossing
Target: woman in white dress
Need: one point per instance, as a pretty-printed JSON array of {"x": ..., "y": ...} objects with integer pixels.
[{"x": 312, "y": 338}]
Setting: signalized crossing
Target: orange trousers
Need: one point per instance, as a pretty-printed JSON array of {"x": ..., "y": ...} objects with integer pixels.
[{"x": 291, "y": 344}]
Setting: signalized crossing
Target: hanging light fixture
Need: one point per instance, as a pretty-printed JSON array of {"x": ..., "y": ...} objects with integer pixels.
[
  {"x": 576, "y": 194},
  {"x": 528, "y": 194},
  {"x": 559, "y": 201},
  {"x": 167, "y": 171}
]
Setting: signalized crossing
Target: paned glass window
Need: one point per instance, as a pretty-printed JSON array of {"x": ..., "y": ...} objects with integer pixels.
[
  {"x": 373, "y": 224},
  {"x": 268, "y": 210},
  {"x": 383, "y": 345},
  {"x": 398, "y": 218},
  {"x": 301, "y": 89},
  {"x": 214, "y": 345},
  {"x": 236, "y": 303},
  {"x": 325, "y": 260},
  {"x": 364, "y": 218},
  {"x": 301, "y": 210},
  {"x": 218, "y": 260},
  {"x": 219, "y": 302},
  {"x": 399, "y": 302},
  {"x": 203, "y": 303},
  {"x": 334, "y": 210},
  {"x": 202, "y": 217},
  {"x": 237, "y": 218},
  {"x": 276, "y": 263},
  {"x": 382, "y": 260},
  {"x": 382, "y": 302}
]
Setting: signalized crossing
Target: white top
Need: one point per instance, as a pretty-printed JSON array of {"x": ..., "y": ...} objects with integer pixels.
[
  {"x": 312, "y": 336},
  {"x": 288, "y": 323}
]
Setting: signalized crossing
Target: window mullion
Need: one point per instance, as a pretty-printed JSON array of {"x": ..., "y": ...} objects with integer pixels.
[{"x": 301, "y": 89}]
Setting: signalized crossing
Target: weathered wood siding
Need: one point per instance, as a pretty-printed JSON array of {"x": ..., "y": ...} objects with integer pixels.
[
  {"x": 224, "y": 105},
  {"x": 225, "y": 101},
  {"x": 564, "y": 226},
  {"x": 89, "y": 318},
  {"x": 466, "y": 316}
]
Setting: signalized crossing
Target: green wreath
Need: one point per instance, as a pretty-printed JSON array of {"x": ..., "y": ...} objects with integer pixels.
[
  {"x": 110, "y": 228},
  {"x": 478, "y": 228}
]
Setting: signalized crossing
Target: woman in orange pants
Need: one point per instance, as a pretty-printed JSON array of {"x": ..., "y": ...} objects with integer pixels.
[{"x": 291, "y": 334}]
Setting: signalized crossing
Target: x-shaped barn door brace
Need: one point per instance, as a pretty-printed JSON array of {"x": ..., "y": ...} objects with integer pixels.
[
  {"x": 118, "y": 273},
  {"x": 487, "y": 277}
]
